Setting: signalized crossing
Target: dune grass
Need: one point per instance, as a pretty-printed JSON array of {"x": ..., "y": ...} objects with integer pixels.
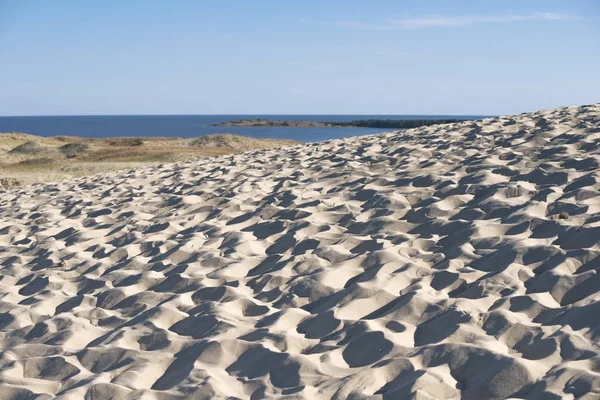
[{"x": 28, "y": 159}]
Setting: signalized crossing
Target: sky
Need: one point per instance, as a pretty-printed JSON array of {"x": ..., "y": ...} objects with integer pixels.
[{"x": 297, "y": 57}]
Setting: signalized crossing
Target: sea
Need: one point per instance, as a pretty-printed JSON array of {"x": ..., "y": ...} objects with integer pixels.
[{"x": 189, "y": 126}]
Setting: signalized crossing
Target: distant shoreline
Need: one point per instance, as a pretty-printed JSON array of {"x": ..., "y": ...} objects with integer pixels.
[
  {"x": 199, "y": 125},
  {"x": 362, "y": 123}
]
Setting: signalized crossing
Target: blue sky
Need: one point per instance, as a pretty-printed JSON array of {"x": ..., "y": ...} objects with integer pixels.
[{"x": 300, "y": 57}]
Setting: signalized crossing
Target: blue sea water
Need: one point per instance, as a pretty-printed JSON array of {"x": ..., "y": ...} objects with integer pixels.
[{"x": 188, "y": 126}]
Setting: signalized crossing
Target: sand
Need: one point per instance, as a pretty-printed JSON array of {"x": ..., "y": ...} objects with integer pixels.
[
  {"x": 443, "y": 262},
  {"x": 26, "y": 159}
]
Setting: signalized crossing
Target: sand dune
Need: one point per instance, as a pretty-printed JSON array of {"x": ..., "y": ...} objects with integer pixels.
[
  {"x": 443, "y": 262},
  {"x": 26, "y": 159}
]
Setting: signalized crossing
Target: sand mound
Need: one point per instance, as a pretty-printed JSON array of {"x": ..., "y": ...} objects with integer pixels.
[
  {"x": 236, "y": 142},
  {"x": 74, "y": 148},
  {"x": 28, "y": 148},
  {"x": 431, "y": 263}
]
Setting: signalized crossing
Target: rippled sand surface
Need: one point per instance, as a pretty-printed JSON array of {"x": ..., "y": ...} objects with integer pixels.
[{"x": 455, "y": 261}]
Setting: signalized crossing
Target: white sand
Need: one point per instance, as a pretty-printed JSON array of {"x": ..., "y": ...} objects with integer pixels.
[{"x": 425, "y": 264}]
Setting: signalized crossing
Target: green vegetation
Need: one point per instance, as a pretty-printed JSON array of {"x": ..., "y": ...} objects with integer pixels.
[{"x": 27, "y": 158}]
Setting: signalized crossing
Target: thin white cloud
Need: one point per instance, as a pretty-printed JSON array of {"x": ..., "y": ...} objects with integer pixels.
[{"x": 453, "y": 21}]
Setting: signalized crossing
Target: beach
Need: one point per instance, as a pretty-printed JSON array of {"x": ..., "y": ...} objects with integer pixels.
[{"x": 455, "y": 261}]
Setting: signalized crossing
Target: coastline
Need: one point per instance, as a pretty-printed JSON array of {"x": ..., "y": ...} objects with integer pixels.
[
  {"x": 191, "y": 126},
  {"x": 368, "y": 123}
]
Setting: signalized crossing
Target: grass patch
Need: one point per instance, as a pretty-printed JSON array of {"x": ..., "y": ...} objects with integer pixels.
[
  {"x": 73, "y": 149},
  {"x": 28, "y": 148},
  {"x": 129, "y": 142},
  {"x": 28, "y": 159}
]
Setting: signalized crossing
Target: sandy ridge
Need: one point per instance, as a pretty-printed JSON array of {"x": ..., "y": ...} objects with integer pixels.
[{"x": 445, "y": 262}]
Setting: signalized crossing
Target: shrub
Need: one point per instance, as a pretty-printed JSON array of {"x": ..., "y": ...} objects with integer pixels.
[
  {"x": 72, "y": 149},
  {"x": 28, "y": 148}
]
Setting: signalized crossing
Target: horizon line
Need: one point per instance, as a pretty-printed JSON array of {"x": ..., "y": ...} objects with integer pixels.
[{"x": 255, "y": 114}]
